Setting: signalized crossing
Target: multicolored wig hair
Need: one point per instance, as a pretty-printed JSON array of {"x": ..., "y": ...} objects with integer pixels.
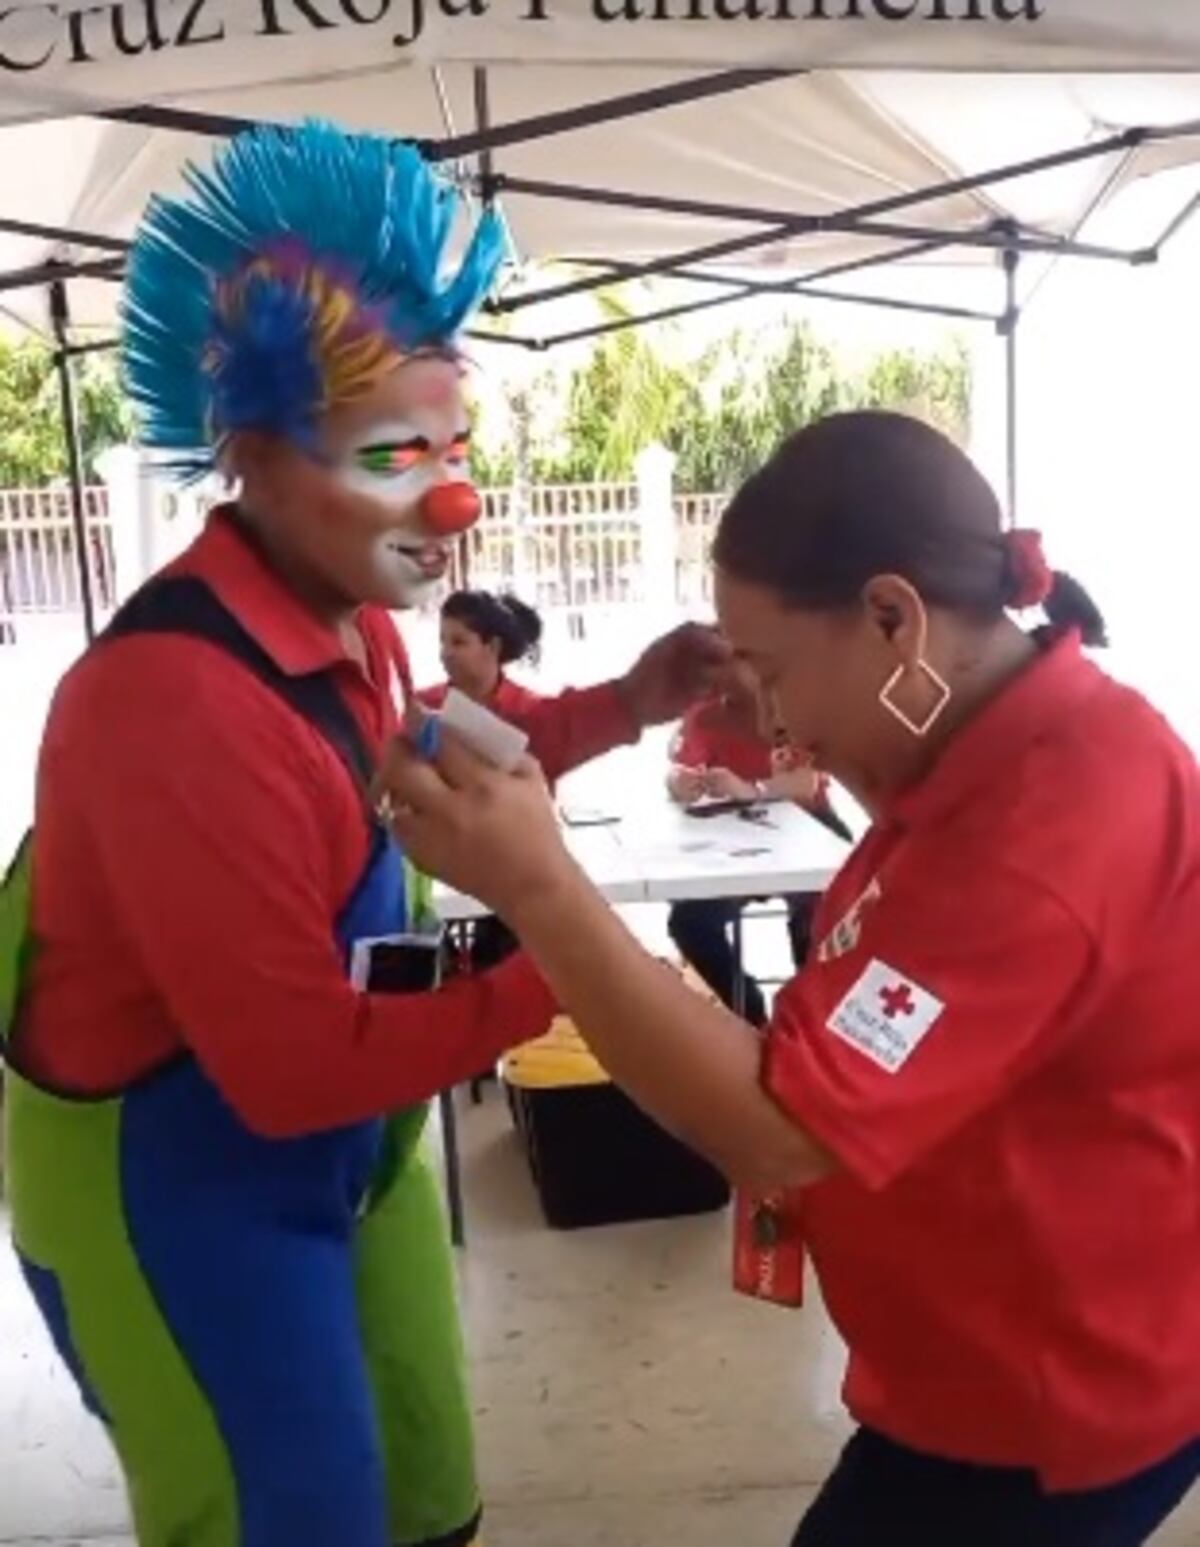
[{"x": 306, "y": 265}]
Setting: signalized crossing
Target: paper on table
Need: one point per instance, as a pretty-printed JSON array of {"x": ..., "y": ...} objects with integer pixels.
[{"x": 589, "y": 816}]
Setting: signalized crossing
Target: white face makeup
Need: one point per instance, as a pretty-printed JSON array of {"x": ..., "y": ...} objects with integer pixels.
[{"x": 394, "y": 464}]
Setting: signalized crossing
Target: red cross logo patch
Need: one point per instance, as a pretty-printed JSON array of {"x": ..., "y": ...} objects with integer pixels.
[
  {"x": 897, "y": 1000},
  {"x": 885, "y": 1016}
]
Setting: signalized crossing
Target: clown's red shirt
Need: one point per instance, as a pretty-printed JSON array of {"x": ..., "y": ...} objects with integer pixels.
[
  {"x": 999, "y": 1040},
  {"x": 195, "y": 840}
]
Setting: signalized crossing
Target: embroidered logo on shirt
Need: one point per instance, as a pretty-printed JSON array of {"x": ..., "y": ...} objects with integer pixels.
[
  {"x": 885, "y": 1015},
  {"x": 847, "y": 932}
]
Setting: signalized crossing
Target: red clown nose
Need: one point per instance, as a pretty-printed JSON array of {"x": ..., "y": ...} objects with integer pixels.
[{"x": 450, "y": 508}]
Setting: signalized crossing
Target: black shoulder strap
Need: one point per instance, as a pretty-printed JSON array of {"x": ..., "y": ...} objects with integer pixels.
[{"x": 185, "y": 605}]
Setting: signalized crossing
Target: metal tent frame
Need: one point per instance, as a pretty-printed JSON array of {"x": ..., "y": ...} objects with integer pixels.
[{"x": 878, "y": 220}]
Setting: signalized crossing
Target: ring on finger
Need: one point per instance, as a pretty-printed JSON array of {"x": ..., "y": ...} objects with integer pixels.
[{"x": 387, "y": 808}]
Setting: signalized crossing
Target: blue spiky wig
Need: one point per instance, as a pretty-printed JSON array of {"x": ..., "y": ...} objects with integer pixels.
[{"x": 303, "y": 267}]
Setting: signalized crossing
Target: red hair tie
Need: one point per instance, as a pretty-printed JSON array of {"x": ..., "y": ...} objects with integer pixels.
[{"x": 1030, "y": 577}]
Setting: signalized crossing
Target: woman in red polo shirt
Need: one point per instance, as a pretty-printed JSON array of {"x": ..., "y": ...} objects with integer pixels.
[
  {"x": 481, "y": 634},
  {"x": 977, "y": 1108}
]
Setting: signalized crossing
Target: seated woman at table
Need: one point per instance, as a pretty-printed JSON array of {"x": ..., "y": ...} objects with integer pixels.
[{"x": 723, "y": 750}]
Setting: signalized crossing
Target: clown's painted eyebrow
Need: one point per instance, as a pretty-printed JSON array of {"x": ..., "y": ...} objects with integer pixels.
[
  {"x": 400, "y": 442},
  {"x": 381, "y": 447}
]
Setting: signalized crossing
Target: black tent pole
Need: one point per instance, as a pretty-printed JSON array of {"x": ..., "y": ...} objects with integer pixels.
[
  {"x": 1009, "y": 324},
  {"x": 65, "y": 366}
]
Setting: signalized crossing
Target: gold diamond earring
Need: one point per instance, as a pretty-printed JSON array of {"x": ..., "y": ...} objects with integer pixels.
[{"x": 916, "y": 727}]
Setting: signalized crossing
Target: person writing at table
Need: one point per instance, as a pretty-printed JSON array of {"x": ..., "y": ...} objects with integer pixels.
[
  {"x": 723, "y": 751},
  {"x": 978, "y": 1106}
]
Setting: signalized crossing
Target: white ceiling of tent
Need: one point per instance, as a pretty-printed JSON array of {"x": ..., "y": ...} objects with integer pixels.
[{"x": 810, "y": 143}]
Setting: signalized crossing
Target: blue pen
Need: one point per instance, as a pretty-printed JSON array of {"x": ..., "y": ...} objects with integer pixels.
[
  {"x": 428, "y": 740},
  {"x": 426, "y": 743}
]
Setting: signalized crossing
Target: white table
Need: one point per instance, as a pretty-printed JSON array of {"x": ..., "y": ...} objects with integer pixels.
[
  {"x": 599, "y": 851},
  {"x": 655, "y": 852},
  {"x": 684, "y": 858}
]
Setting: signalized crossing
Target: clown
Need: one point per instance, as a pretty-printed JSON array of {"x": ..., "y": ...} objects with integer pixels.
[{"x": 213, "y": 1123}]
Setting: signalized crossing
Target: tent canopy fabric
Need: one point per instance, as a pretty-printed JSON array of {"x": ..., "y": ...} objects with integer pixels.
[
  {"x": 856, "y": 106},
  {"x": 56, "y": 50}
]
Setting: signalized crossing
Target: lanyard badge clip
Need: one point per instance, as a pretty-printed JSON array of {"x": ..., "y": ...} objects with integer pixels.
[{"x": 768, "y": 1258}]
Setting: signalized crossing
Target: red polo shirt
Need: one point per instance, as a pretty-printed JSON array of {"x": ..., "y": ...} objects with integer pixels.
[
  {"x": 1000, "y": 1042},
  {"x": 195, "y": 840},
  {"x": 706, "y": 740}
]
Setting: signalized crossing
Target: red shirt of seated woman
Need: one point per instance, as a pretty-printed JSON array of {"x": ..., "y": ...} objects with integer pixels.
[
  {"x": 726, "y": 735},
  {"x": 481, "y": 634},
  {"x": 711, "y": 737}
]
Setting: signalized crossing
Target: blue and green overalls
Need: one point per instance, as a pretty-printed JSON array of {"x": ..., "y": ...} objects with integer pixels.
[{"x": 268, "y": 1328}]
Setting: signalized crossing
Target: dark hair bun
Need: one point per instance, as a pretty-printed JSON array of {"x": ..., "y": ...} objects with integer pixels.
[
  {"x": 1070, "y": 606},
  {"x": 524, "y": 633}
]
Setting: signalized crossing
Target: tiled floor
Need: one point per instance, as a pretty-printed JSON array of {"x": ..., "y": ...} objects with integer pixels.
[{"x": 625, "y": 1397}]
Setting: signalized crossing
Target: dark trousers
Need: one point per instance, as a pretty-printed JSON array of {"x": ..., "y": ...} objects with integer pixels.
[
  {"x": 883, "y": 1495},
  {"x": 484, "y": 944},
  {"x": 703, "y": 935}
]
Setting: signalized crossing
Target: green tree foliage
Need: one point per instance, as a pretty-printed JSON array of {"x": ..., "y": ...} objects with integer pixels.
[
  {"x": 627, "y": 396},
  {"x": 32, "y": 445},
  {"x": 724, "y": 414},
  {"x": 936, "y": 388},
  {"x": 756, "y": 396}
]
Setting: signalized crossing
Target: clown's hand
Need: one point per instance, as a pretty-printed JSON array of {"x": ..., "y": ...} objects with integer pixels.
[
  {"x": 673, "y": 673},
  {"x": 491, "y": 835}
]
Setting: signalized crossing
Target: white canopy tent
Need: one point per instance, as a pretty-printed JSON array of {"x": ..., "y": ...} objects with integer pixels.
[
  {"x": 614, "y": 133},
  {"x": 791, "y": 173}
]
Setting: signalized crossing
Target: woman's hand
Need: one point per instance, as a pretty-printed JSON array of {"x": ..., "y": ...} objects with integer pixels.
[
  {"x": 721, "y": 784},
  {"x": 793, "y": 777},
  {"x": 686, "y": 785},
  {"x": 802, "y": 785},
  {"x": 785, "y": 758},
  {"x": 493, "y": 836}
]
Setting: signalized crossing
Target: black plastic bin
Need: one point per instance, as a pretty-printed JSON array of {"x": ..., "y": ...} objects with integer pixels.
[{"x": 597, "y": 1159}]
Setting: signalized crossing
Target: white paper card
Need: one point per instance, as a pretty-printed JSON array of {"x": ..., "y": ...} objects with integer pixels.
[{"x": 490, "y": 737}]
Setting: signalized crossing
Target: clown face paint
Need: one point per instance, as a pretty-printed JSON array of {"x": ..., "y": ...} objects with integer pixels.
[
  {"x": 392, "y": 449},
  {"x": 383, "y": 455},
  {"x": 395, "y": 465},
  {"x": 349, "y": 526}
]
